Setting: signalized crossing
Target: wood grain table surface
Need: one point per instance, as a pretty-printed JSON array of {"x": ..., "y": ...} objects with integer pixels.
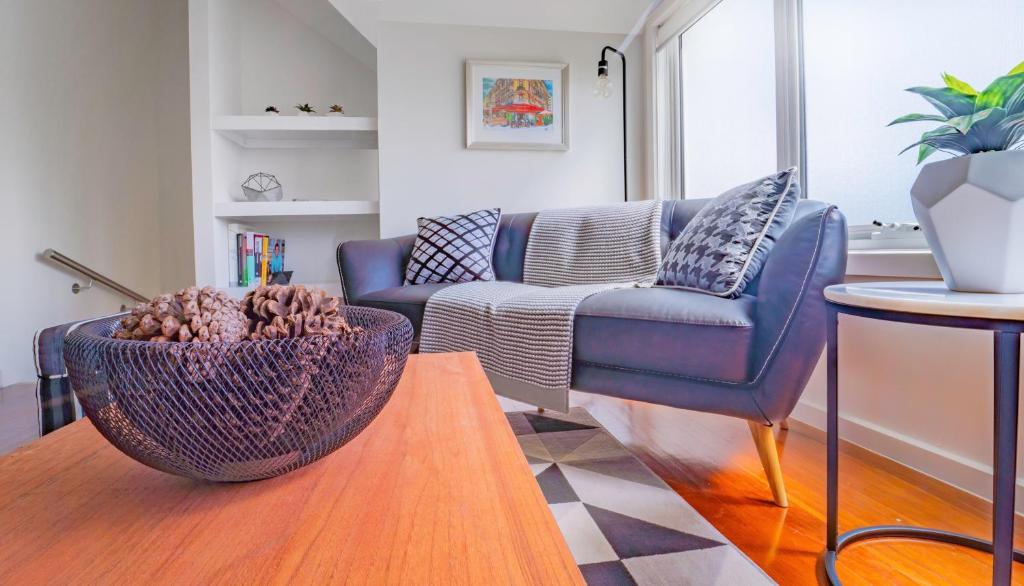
[{"x": 435, "y": 491}]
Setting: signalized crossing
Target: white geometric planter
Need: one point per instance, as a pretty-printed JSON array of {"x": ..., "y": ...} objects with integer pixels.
[{"x": 971, "y": 210}]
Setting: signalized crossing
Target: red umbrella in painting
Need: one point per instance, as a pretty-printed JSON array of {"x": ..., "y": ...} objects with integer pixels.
[{"x": 518, "y": 108}]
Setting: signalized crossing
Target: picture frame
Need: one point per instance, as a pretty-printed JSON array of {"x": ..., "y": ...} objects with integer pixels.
[{"x": 517, "y": 105}]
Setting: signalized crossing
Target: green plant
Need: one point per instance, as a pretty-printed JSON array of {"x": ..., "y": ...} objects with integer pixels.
[
  {"x": 337, "y": 109},
  {"x": 972, "y": 121},
  {"x": 305, "y": 108},
  {"x": 273, "y": 109}
]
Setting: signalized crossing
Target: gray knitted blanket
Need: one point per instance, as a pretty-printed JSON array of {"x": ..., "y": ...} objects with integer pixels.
[{"x": 524, "y": 331}]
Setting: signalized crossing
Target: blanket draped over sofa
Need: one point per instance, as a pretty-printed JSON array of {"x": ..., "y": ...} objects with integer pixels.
[{"x": 524, "y": 331}]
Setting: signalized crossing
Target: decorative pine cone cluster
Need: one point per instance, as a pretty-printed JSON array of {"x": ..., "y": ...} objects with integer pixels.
[
  {"x": 192, "y": 314},
  {"x": 292, "y": 311}
]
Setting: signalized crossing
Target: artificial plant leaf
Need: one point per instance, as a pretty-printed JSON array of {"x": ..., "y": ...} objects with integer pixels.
[
  {"x": 958, "y": 85},
  {"x": 924, "y": 151},
  {"x": 965, "y": 122},
  {"x": 1018, "y": 69},
  {"x": 999, "y": 91},
  {"x": 1015, "y": 103},
  {"x": 918, "y": 118},
  {"x": 947, "y": 101},
  {"x": 932, "y": 134},
  {"x": 1010, "y": 131}
]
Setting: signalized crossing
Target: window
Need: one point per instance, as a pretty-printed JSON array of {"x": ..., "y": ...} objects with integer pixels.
[
  {"x": 858, "y": 57},
  {"x": 727, "y": 97},
  {"x": 751, "y": 100}
]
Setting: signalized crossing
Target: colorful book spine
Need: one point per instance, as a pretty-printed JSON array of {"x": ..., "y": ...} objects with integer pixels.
[
  {"x": 265, "y": 261},
  {"x": 250, "y": 258},
  {"x": 239, "y": 260}
]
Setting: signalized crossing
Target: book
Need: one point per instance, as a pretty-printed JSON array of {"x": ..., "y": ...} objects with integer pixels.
[
  {"x": 257, "y": 259},
  {"x": 240, "y": 260},
  {"x": 250, "y": 258},
  {"x": 232, "y": 258},
  {"x": 236, "y": 254},
  {"x": 277, "y": 256},
  {"x": 265, "y": 261}
]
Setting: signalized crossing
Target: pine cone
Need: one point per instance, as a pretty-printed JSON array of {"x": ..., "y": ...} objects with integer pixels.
[
  {"x": 190, "y": 315},
  {"x": 292, "y": 311}
]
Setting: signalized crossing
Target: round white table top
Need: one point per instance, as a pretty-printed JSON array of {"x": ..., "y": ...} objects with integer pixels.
[{"x": 927, "y": 297}]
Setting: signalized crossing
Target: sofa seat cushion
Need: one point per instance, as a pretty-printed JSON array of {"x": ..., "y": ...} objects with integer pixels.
[
  {"x": 668, "y": 331},
  {"x": 408, "y": 300}
]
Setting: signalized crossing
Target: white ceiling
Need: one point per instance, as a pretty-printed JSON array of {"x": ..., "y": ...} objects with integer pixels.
[{"x": 597, "y": 16}]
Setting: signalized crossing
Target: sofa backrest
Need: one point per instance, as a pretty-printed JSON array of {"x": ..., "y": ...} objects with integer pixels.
[{"x": 514, "y": 231}]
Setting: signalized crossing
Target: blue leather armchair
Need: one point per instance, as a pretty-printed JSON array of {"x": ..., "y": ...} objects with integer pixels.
[{"x": 748, "y": 357}]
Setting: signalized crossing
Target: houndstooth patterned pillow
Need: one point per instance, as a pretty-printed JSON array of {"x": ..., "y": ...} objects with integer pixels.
[
  {"x": 455, "y": 249},
  {"x": 723, "y": 248}
]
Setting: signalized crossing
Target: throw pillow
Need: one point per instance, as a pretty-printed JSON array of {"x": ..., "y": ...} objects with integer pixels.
[
  {"x": 455, "y": 249},
  {"x": 723, "y": 248}
]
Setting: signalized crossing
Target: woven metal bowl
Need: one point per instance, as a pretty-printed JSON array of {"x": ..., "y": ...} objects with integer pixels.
[{"x": 237, "y": 411}]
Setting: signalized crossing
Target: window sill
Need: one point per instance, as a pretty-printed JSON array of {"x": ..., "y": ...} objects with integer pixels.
[{"x": 916, "y": 264}]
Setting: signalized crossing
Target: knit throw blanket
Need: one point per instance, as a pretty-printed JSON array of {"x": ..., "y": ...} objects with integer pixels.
[{"x": 524, "y": 331}]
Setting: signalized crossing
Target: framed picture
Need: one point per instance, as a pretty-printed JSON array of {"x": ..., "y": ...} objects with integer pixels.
[{"x": 513, "y": 105}]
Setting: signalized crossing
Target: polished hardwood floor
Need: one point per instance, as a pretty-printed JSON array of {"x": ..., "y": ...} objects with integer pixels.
[{"x": 712, "y": 463}]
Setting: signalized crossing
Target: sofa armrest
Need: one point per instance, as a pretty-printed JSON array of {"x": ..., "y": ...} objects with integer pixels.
[
  {"x": 790, "y": 315},
  {"x": 371, "y": 265}
]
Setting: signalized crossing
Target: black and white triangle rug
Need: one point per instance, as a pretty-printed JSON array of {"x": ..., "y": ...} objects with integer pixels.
[{"x": 623, "y": 524}]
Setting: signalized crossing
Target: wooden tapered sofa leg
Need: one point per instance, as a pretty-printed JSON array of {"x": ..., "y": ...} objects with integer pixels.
[{"x": 766, "y": 449}]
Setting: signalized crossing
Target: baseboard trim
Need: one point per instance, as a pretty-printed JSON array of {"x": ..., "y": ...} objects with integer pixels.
[{"x": 969, "y": 475}]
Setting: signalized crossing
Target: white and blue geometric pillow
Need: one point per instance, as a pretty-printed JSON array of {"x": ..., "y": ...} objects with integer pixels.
[
  {"x": 453, "y": 249},
  {"x": 724, "y": 247}
]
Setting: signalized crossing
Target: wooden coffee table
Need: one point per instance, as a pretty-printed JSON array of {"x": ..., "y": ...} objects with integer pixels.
[{"x": 435, "y": 491}]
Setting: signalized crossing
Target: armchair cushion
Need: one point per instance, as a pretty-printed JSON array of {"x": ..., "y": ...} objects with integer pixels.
[
  {"x": 408, "y": 300},
  {"x": 723, "y": 248},
  {"x": 668, "y": 331},
  {"x": 455, "y": 249}
]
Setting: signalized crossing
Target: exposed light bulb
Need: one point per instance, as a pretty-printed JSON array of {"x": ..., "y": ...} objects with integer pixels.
[{"x": 604, "y": 87}]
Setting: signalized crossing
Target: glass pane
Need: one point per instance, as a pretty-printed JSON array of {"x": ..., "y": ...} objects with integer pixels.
[
  {"x": 666, "y": 63},
  {"x": 728, "y": 97},
  {"x": 858, "y": 57}
]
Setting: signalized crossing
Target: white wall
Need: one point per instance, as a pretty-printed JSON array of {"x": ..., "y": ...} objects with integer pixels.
[
  {"x": 80, "y": 157},
  {"x": 425, "y": 168},
  {"x": 919, "y": 395}
]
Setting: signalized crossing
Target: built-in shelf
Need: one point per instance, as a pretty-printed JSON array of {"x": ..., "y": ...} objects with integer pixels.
[
  {"x": 270, "y": 210},
  {"x": 352, "y": 132}
]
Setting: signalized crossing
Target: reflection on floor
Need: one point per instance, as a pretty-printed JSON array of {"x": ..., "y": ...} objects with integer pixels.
[{"x": 711, "y": 462}]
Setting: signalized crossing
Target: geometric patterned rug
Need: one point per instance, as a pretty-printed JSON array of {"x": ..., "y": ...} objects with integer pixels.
[{"x": 623, "y": 524}]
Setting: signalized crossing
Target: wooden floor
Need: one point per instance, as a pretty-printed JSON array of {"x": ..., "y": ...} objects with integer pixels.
[{"x": 711, "y": 461}]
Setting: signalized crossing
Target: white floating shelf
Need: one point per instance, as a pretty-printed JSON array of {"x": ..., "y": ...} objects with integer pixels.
[
  {"x": 351, "y": 132},
  {"x": 294, "y": 209}
]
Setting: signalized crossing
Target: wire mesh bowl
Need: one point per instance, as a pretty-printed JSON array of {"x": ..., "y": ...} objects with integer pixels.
[{"x": 237, "y": 411}]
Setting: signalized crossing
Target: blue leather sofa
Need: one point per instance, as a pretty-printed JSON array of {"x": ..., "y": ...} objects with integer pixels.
[{"x": 748, "y": 357}]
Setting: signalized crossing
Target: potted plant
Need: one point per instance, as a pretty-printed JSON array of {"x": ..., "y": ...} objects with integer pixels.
[
  {"x": 971, "y": 206},
  {"x": 305, "y": 110},
  {"x": 271, "y": 111},
  {"x": 336, "y": 110}
]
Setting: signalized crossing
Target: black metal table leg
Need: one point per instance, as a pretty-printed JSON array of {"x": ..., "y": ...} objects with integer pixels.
[
  {"x": 832, "y": 445},
  {"x": 1007, "y": 380}
]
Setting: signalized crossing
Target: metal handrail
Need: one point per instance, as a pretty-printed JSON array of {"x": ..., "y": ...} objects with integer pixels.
[{"x": 93, "y": 276}]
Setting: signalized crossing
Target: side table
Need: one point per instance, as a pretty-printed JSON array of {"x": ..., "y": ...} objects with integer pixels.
[{"x": 931, "y": 303}]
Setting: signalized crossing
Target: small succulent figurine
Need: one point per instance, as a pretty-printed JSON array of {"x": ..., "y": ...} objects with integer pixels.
[
  {"x": 337, "y": 110},
  {"x": 305, "y": 109},
  {"x": 272, "y": 110}
]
